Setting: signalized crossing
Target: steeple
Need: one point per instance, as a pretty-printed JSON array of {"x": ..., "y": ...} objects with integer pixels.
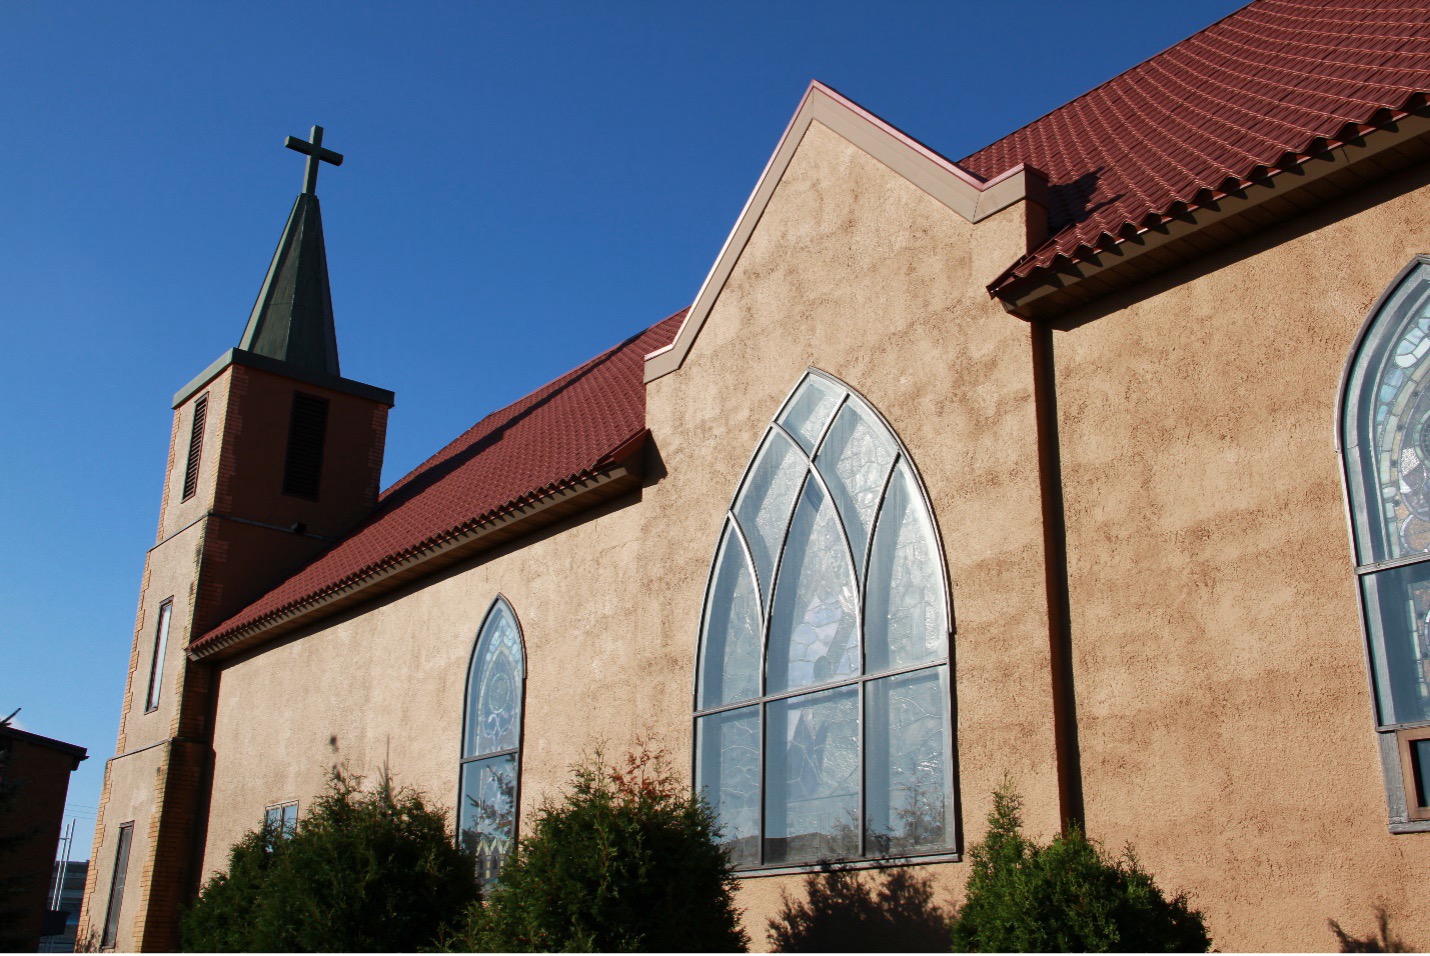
[{"x": 292, "y": 321}]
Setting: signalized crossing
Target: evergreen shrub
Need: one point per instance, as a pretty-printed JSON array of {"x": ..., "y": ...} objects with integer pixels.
[
  {"x": 365, "y": 871},
  {"x": 629, "y": 862},
  {"x": 1067, "y": 896}
]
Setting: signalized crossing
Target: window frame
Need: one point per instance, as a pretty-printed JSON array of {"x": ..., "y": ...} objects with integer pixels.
[
  {"x": 154, "y": 696},
  {"x": 193, "y": 461},
  {"x": 293, "y": 485},
  {"x": 729, "y": 524},
  {"x": 285, "y": 829},
  {"x": 1393, "y": 738},
  {"x": 118, "y": 879},
  {"x": 500, "y": 601}
]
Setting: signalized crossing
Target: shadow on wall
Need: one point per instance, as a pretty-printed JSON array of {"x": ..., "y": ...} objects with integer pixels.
[
  {"x": 1380, "y": 941},
  {"x": 885, "y": 911}
]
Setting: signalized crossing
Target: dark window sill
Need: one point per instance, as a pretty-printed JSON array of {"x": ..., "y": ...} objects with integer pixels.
[{"x": 880, "y": 864}]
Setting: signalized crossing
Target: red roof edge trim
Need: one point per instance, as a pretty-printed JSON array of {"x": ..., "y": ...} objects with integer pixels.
[
  {"x": 1047, "y": 258},
  {"x": 224, "y": 635}
]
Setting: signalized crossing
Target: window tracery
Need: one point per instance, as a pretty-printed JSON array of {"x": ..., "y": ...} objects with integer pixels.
[
  {"x": 1385, "y": 439},
  {"x": 491, "y": 741},
  {"x": 823, "y": 708}
]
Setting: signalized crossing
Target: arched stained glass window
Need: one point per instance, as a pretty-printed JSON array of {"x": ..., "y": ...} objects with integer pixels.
[
  {"x": 491, "y": 741},
  {"x": 1385, "y": 433},
  {"x": 1387, "y": 453},
  {"x": 822, "y": 705}
]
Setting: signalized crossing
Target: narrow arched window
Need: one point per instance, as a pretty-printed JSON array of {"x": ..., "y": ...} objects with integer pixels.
[
  {"x": 1385, "y": 422},
  {"x": 491, "y": 740},
  {"x": 822, "y": 721}
]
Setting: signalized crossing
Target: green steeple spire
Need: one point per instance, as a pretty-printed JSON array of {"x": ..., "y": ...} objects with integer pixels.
[{"x": 293, "y": 318}]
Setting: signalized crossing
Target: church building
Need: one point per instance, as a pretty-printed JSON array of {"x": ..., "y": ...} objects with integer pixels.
[{"x": 1097, "y": 461}]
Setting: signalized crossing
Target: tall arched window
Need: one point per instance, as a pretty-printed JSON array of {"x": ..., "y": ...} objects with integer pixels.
[
  {"x": 1385, "y": 422},
  {"x": 822, "y": 703},
  {"x": 491, "y": 740}
]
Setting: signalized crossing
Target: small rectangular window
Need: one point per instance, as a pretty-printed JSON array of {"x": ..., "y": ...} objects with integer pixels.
[
  {"x": 282, "y": 818},
  {"x": 1415, "y": 768},
  {"x": 196, "y": 447},
  {"x": 116, "y": 886},
  {"x": 156, "y": 666},
  {"x": 303, "y": 466}
]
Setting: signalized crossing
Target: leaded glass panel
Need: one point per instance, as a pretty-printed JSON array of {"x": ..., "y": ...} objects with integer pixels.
[
  {"x": 812, "y": 805},
  {"x": 1420, "y": 771},
  {"x": 487, "y": 815},
  {"x": 814, "y": 625},
  {"x": 808, "y": 411},
  {"x": 1398, "y": 618},
  {"x": 766, "y": 500},
  {"x": 904, "y": 614},
  {"x": 908, "y": 777},
  {"x": 1388, "y": 429},
  {"x": 494, "y": 691},
  {"x": 491, "y": 738},
  {"x": 855, "y": 460},
  {"x": 861, "y": 766},
  {"x": 728, "y": 774},
  {"x": 730, "y": 662}
]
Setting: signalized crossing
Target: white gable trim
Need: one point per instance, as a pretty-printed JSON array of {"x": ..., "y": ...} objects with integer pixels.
[{"x": 959, "y": 190}]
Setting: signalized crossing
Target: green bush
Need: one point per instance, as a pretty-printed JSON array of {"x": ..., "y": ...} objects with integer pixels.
[
  {"x": 628, "y": 863},
  {"x": 1065, "y": 897},
  {"x": 366, "y": 871}
]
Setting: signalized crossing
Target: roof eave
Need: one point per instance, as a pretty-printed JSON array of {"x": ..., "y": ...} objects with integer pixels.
[
  {"x": 1182, "y": 234},
  {"x": 621, "y": 476}
]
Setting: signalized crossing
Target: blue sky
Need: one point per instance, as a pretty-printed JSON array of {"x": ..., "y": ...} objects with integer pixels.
[{"x": 524, "y": 185}]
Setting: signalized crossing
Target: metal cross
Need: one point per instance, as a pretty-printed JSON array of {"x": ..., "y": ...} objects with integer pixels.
[{"x": 315, "y": 152}]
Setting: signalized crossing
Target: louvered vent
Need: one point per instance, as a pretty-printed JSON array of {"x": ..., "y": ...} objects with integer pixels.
[
  {"x": 196, "y": 447},
  {"x": 308, "y": 428}
]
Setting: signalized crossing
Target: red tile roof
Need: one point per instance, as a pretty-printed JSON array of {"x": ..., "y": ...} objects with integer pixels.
[
  {"x": 1213, "y": 113},
  {"x": 559, "y": 434}
]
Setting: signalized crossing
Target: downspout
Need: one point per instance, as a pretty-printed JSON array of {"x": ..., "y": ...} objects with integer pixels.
[{"x": 1067, "y": 754}]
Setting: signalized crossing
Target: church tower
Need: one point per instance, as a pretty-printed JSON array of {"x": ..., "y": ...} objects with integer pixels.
[{"x": 272, "y": 456}]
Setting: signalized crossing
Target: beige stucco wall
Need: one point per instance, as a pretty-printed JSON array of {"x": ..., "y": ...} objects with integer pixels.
[
  {"x": 853, "y": 271},
  {"x": 1225, "y": 718}
]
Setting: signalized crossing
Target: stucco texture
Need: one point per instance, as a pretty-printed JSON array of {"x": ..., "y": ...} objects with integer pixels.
[
  {"x": 1224, "y": 711},
  {"x": 852, "y": 271},
  {"x": 1223, "y": 718}
]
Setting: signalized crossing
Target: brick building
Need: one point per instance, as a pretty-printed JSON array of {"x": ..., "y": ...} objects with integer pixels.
[{"x": 37, "y": 771}]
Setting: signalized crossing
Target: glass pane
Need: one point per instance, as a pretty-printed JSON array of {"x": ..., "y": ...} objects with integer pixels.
[
  {"x": 766, "y": 500},
  {"x": 156, "y": 666},
  {"x": 1420, "y": 769},
  {"x": 904, "y": 610},
  {"x": 855, "y": 461},
  {"x": 487, "y": 816},
  {"x": 1397, "y": 604},
  {"x": 909, "y": 774},
  {"x": 813, "y": 637},
  {"x": 1387, "y": 431},
  {"x": 290, "y": 819},
  {"x": 730, "y": 647},
  {"x": 728, "y": 773},
  {"x": 809, "y": 410},
  {"x": 812, "y": 754},
  {"x": 494, "y": 693},
  {"x": 116, "y": 886}
]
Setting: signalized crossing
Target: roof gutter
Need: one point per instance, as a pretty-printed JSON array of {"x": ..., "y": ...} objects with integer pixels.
[
  {"x": 1188, "y": 230},
  {"x": 620, "y": 476}
]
